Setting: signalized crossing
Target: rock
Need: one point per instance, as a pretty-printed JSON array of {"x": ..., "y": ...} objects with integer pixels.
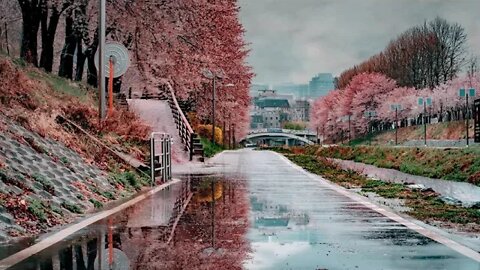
[
  {"x": 416, "y": 186},
  {"x": 475, "y": 205},
  {"x": 450, "y": 200}
]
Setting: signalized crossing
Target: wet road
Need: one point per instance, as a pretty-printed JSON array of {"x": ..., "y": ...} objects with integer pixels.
[
  {"x": 289, "y": 218},
  {"x": 298, "y": 223}
]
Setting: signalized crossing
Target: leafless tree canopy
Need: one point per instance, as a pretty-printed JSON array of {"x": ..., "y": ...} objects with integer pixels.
[{"x": 423, "y": 56}]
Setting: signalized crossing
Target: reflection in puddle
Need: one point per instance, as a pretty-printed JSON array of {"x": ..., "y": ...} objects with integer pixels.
[{"x": 181, "y": 227}]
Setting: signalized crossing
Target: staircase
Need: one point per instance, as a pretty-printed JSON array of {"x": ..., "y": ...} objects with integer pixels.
[{"x": 189, "y": 138}]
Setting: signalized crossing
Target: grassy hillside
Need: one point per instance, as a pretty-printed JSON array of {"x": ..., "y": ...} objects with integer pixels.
[
  {"x": 49, "y": 172},
  {"x": 441, "y": 131},
  {"x": 448, "y": 164}
]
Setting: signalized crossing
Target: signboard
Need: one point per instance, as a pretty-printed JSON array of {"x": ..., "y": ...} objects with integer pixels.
[{"x": 477, "y": 120}]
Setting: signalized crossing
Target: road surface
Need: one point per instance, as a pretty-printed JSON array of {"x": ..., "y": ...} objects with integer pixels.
[{"x": 296, "y": 221}]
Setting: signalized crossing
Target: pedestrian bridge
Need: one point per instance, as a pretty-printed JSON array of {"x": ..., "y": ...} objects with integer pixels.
[{"x": 278, "y": 136}]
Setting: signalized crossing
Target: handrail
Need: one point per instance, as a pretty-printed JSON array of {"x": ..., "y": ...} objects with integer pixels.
[
  {"x": 185, "y": 131},
  {"x": 175, "y": 102}
]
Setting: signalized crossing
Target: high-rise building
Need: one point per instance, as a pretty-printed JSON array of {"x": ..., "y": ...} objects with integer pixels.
[{"x": 320, "y": 85}]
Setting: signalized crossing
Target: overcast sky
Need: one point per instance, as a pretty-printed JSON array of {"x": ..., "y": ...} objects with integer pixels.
[{"x": 292, "y": 40}]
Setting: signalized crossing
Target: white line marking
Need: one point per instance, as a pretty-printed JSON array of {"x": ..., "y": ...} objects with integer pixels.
[
  {"x": 466, "y": 251},
  {"x": 60, "y": 235}
]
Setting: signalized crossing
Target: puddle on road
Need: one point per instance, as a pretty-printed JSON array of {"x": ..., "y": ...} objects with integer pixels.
[{"x": 153, "y": 234}]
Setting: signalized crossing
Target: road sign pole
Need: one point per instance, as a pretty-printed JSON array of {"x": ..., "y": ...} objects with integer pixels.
[
  {"x": 466, "y": 115},
  {"x": 101, "y": 59},
  {"x": 425, "y": 122}
]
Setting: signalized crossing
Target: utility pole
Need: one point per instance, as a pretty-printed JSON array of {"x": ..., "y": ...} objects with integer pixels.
[{"x": 101, "y": 59}]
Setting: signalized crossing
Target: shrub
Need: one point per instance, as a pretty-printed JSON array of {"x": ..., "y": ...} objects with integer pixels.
[{"x": 205, "y": 131}]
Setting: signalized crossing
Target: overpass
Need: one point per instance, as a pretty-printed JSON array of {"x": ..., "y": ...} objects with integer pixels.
[{"x": 278, "y": 136}]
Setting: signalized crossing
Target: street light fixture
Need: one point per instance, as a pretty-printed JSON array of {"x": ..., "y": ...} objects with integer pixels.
[
  {"x": 463, "y": 93},
  {"x": 396, "y": 108},
  {"x": 425, "y": 101}
]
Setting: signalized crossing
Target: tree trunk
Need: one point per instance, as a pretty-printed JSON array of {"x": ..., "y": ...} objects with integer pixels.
[
  {"x": 66, "y": 59},
  {"x": 90, "y": 55},
  {"x": 48, "y": 38},
  {"x": 31, "y": 14},
  {"x": 81, "y": 57}
]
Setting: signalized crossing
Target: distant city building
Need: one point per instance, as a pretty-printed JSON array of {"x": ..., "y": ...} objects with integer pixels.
[
  {"x": 271, "y": 109},
  {"x": 298, "y": 90},
  {"x": 320, "y": 85}
]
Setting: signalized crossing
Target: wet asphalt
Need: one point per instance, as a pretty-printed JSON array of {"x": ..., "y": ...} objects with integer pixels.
[
  {"x": 299, "y": 224},
  {"x": 295, "y": 223}
]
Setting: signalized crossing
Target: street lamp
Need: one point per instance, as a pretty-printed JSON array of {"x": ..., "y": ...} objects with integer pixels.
[
  {"x": 214, "y": 76},
  {"x": 425, "y": 101},
  {"x": 396, "y": 108},
  {"x": 463, "y": 93}
]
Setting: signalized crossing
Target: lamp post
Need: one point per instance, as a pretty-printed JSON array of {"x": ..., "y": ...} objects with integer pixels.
[
  {"x": 463, "y": 93},
  {"x": 425, "y": 101},
  {"x": 396, "y": 108},
  {"x": 214, "y": 76}
]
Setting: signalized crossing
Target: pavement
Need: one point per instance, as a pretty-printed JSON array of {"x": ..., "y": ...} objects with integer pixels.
[{"x": 301, "y": 221}]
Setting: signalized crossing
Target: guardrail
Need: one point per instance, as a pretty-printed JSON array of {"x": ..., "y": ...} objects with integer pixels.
[{"x": 187, "y": 135}]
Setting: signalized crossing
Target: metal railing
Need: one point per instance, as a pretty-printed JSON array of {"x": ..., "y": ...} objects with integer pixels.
[
  {"x": 183, "y": 126},
  {"x": 160, "y": 157},
  {"x": 280, "y": 130}
]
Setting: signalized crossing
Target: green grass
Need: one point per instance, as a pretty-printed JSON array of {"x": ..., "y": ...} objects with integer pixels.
[
  {"x": 46, "y": 184},
  {"x": 36, "y": 208},
  {"x": 72, "y": 208},
  {"x": 449, "y": 164},
  {"x": 61, "y": 85},
  {"x": 129, "y": 180},
  {"x": 96, "y": 203},
  {"x": 210, "y": 149}
]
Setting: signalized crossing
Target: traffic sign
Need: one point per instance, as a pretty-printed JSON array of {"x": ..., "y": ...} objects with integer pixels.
[{"x": 119, "y": 55}]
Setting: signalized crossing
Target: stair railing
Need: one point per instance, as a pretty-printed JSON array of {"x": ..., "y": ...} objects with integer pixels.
[{"x": 183, "y": 126}]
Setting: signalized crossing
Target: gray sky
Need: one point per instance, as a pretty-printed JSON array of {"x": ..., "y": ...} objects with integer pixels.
[{"x": 292, "y": 40}]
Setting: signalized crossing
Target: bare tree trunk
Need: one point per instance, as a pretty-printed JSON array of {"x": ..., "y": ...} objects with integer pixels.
[
  {"x": 49, "y": 29},
  {"x": 66, "y": 59},
  {"x": 31, "y": 15},
  {"x": 81, "y": 58}
]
